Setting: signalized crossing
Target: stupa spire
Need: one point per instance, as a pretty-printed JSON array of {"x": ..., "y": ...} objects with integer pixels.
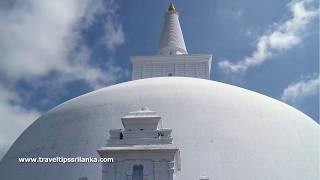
[
  {"x": 172, "y": 41},
  {"x": 172, "y": 57}
]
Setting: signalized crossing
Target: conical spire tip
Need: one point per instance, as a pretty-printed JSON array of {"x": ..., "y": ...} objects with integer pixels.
[{"x": 171, "y": 7}]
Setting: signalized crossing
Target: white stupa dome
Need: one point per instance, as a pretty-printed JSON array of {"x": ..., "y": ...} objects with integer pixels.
[{"x": 223, "y": 132}]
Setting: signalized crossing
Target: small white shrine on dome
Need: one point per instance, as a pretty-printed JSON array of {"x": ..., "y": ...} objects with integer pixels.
[{"x": 140, "y": 150}]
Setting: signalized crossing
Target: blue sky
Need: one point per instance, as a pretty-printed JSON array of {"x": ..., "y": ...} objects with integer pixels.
[{"x": 53, "y": 51}]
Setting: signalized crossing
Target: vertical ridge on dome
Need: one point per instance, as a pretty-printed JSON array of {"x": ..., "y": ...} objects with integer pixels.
[{"x": 172, "y": 41}]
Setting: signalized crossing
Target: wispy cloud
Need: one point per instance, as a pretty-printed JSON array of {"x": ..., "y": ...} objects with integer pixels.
[
  {"x": 304, "y": 88},
  {"x": 237, "y": 14},
  {"x": 114, "y": 35},
  {"x": 38, "y": 38},
  {"x": 280, "y": 37}
]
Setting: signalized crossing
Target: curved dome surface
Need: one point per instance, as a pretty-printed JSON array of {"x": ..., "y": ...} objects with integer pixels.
[{"x": 223, "y": 132}]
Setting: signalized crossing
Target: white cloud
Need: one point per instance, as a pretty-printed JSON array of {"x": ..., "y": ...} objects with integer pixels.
[
  {"x": 41, "y": 37},
  {"x": 37, "y": 37},
  {"x": 14, "y": 119},
  {"x": 297, "y": 91},
  {"x": 282, "y": 36}
]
